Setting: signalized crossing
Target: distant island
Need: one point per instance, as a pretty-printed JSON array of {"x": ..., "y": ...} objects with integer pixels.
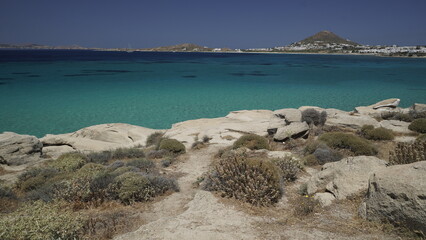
[{"x": 324, "y": 42}]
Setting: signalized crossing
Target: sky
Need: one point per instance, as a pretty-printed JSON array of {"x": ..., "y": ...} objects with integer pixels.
[{"x": 218, "y": 23}]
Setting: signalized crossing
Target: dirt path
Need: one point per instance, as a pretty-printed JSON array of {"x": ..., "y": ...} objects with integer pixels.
[
  {"x": 193, "y": 213},
  {"x": 196, "y": 214}
]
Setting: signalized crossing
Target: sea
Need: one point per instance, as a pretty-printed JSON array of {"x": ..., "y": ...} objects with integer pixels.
[{"x": 60, "y": 91}]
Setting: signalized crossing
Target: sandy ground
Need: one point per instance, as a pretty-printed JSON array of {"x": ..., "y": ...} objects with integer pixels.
[{"x": 196, "y": 214}]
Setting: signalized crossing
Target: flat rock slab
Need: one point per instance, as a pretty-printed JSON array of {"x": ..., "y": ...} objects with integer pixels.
[
  {"x": 397, "y": 194},
  {"x": 99, "y": 138},
  {"x": 346, "y": 120},
  {"x": 289, "y": 114},
  {"x": 346, "y": 177},
  {"x": 396, "y": 126},
  {"x": 294, "y": 130},
  {"x": 223, "y": 130}
]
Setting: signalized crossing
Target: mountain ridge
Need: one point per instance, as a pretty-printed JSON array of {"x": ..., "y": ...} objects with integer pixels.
[{"x": 326, "y": 37}]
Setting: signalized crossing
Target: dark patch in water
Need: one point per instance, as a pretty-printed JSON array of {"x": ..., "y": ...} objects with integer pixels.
[
  {"x": 33, "y": 75},
  {"x": 6, "y": 78},
  {"x": 417, "y": 89},
  {"x": 20, "y": 73},
  {"x": 237, "y": 74},
  {"x": 253, "y": 73},
  {"x": 189, "y": 76},
  {"x": 86, "y": 74},
  {"x": 3, "y": 83},
  {"x": 163, "y": 61},
  {"x": 106, "y": 71},
  {"x": 266, "y": 64},
  {"x": 391, "y": 74}
]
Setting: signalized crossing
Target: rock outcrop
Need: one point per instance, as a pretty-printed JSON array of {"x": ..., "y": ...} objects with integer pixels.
[
  {"x": 396, "y": 126},
  {"x": 16, "y": 149},
  {"x": 223, "y": 130},
  {"x": 289, "y": 114},
  {"x": 375, "y": 110},
  {"x": 397, "y": 194},
  {"x": 351, "y": 121},
  {"x": 97, "y": 138},
  {"x": 346, "y": 177},
  {"x": 294, "y": 130}
]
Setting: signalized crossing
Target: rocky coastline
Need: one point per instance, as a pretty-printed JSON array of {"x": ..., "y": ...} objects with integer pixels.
[{"x": 395, "y": 194}]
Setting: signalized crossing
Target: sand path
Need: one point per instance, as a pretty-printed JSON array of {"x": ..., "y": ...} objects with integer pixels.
[{"x": 193, "y": 213}]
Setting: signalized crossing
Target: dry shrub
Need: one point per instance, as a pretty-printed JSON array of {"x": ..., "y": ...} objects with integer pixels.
[
  {"x": 305, "y": 205},
  {"x": 255, "y": 181},
  {"x": 289, "y": 167},
  {"x": 251, "y": 141},
  {"x": 324, "y": 154},
  {"x": 39, "y": 220},
  {"x": 312, "y": 116},
  {"x": 405, "y": 153}
]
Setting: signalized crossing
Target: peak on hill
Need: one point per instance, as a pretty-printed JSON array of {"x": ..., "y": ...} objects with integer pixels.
[
  {"x": 182, "y": 47},
  {"x": 327, "y": 37}
]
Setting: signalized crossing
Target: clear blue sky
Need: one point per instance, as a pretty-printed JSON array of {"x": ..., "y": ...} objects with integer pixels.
[{"x": 218, "y": 23}]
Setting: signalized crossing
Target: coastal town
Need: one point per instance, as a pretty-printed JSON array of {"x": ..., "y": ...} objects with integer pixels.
[{"x": 324, "y": 42}]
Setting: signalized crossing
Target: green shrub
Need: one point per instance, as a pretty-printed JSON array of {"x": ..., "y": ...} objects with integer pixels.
[
  {"x": 143, "y": 164},
  {"x": 117, "y": 154},
  {"x": 312, "y": 116},
  {"x": 355, "y": 144},
  {"x": 311, "y": 147},
  {"x": 6, "y": 192},
  {"x": 155, "y": 154},
  {"x": 89, "y": 184},
  {"x": 405, "y": 153},
  {"x": 100, "y": 157},
  {"x": 421, "y": 137},
  {"x": 418, "y": 125},
  {"x": 35, "y": 177},
  {"x": 69, "y": 162},
  {"x": 310, "y": 160},
  {"x": 251, "y": 141},
  {"x": 289, "y": 167},
  {"x": 255, "y": 181},
  {"x": 133, "y": 187},
  {"x": 154, "y": 139},
  {"x": 323, "y": 154},
  {"x": 128, "y": 153},
  {"x": 369, "y": 132},
  {"x": 172, "y": 145},
  {"x": 397, "y": 116},
  {"x": 41, "y": 221}
]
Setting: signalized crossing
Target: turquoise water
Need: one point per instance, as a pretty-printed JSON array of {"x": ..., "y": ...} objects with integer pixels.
[{"x": 62, "y": 91}]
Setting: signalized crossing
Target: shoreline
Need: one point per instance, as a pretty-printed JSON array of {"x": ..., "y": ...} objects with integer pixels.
[{"x": 214, "y": 52}]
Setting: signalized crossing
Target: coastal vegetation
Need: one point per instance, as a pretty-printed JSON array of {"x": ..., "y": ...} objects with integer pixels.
[
  {"x": 372, "y": 133},
  {"x": 59, "y": 193},
  {"x": 418, "y": 125},
  {"x": 358, "y": 146},
  {"x": 251, "y": 141}
]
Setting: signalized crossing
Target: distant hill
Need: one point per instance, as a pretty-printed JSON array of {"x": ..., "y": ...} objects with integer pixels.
[
  {"x": 326, "y": 37},
  {"x": 37, "y": 46},
  {"x": 186, "y": 47}
]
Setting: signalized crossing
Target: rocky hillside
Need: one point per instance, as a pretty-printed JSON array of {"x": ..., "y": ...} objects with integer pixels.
[
  {"x": 306, "y": 173},
  {"x": 326, "y": 37}
]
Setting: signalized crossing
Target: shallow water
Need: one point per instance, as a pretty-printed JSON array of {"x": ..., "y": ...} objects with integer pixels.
[{"x": 62, "y": 91}]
